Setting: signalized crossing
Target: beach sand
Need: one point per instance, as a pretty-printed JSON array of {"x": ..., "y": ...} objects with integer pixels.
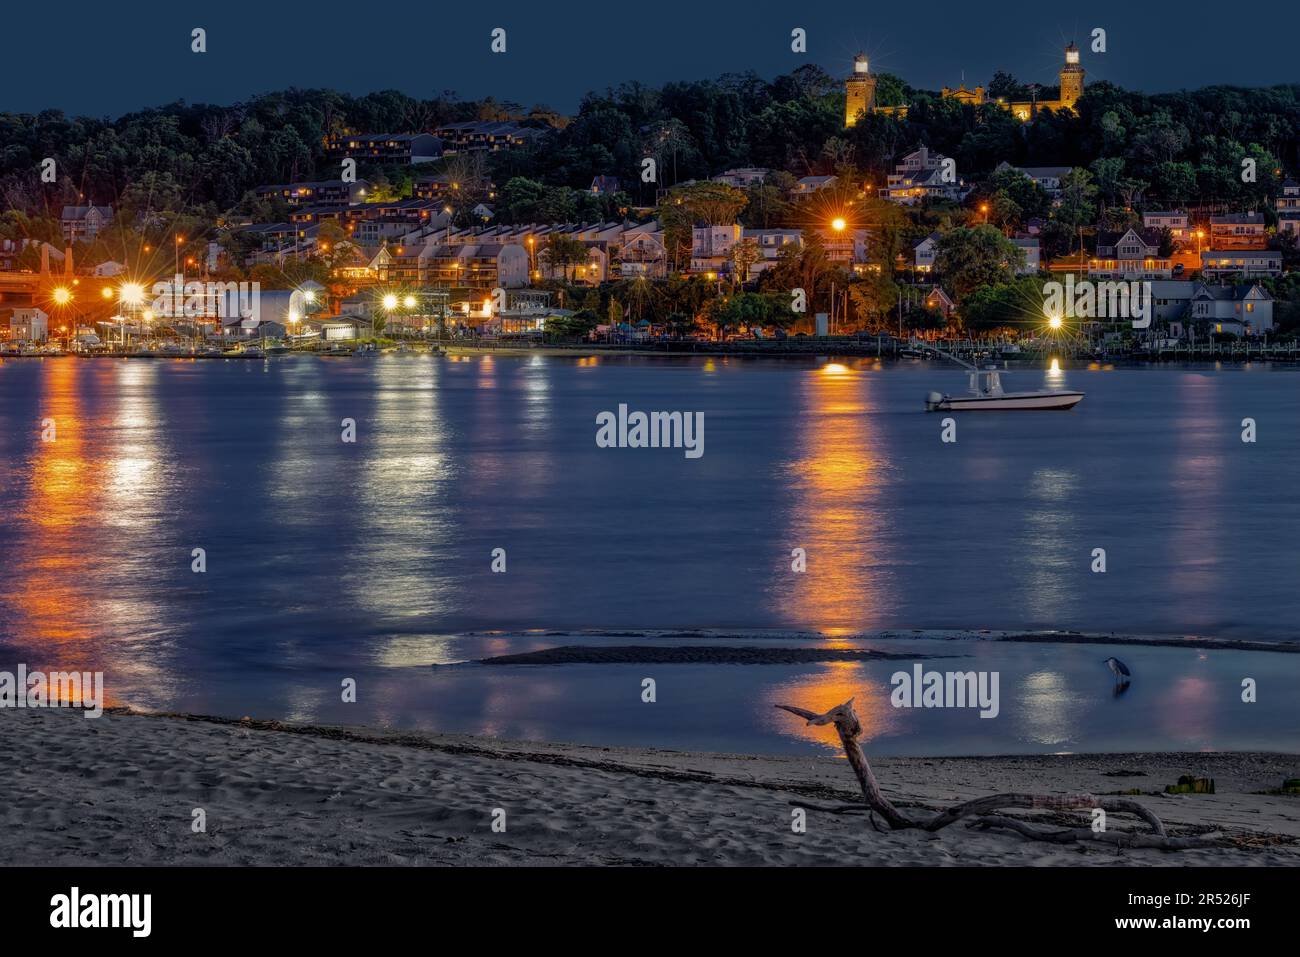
[{"x": 122, "y": 789}]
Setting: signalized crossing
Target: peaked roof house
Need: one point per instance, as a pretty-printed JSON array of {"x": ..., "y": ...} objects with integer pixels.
[
  {"x": 1183, "y": 305},
  {"x": 1132, "y": 254},
  {"x": 923, "y": 174},
  {"x": 811, "y": 184},
  {"x": 923, "y": 252},
  {"x": 84, "y": 222}
]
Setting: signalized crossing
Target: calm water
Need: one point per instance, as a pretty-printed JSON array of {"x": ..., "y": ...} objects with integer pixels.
[{"x": 371, "y": 560}]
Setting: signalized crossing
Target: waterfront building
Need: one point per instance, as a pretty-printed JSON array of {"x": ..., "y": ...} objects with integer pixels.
[
  {"x": 1185, "y": 307},
  {"x": 1130, "y": 255},
  {"x": 29, "y": 324}
]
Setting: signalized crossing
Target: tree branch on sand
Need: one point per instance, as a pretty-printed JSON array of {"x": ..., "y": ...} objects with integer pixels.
[{"x": 983, "y": 809}]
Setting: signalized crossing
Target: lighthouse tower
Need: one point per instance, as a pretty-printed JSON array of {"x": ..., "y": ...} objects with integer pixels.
[
  {"x": 1071, "y": 78},
  {"x": 859, "y": 91}
]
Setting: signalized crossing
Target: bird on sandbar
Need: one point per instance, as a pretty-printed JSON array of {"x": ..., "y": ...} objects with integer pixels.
[{"x": 1119, "y": 670}]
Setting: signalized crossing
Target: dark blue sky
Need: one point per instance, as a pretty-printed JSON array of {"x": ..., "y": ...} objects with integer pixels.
[{"x": 105, "y": 58}]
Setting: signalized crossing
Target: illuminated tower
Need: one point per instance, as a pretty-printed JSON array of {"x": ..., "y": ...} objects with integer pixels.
[
  {"x": 859, "y": 91},
  {"x": 1071, "y": 78}
]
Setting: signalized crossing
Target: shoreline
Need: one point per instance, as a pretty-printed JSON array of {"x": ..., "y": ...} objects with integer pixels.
[
  {"x": 1284, "y": 358},
  {"x": 124, "y": 789},
  {"x": 572, "y": 638}
]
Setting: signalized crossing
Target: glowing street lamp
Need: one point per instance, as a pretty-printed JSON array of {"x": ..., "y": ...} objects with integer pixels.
[
  {"x": 389, "y": 302},
  {"x": 838, "y": 224},
  {"x": 131, "y": 294},
  {"x": 409, "y": 302},
  {"x": 62, "y": 296}
]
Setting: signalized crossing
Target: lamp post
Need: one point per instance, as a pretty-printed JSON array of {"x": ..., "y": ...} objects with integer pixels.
[
  {"x": 130, "y": 295},
  {"x": 62, "y": 297}
]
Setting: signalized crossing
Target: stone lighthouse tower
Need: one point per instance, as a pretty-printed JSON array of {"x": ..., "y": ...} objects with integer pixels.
[
  {"x": 860, "y": 91},
  {"x": 1071, "y": 78}
]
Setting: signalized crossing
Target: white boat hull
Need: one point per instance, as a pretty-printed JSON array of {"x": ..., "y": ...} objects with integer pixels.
[{"x": 1007, "y": 401}]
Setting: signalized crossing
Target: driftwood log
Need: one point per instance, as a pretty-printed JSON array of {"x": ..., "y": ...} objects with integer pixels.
[{"x": 983, "y": 810}]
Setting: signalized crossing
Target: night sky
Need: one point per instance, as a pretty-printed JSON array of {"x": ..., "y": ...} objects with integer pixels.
[{"x": 103, "y": 58}]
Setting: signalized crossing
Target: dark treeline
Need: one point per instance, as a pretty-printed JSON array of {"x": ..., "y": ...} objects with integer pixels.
[{"x": 201, "y": 160}]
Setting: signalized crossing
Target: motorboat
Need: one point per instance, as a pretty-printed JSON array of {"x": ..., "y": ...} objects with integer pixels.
[{"x": 987, "y": 394}]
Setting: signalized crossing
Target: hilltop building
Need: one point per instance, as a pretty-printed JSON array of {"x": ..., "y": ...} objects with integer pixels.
[
  {"x": 1071, "y": 89},
  {"x": 860, "y": 92}
]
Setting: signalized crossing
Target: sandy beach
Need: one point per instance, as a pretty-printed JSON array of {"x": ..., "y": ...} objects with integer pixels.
[{"x": 123, "y": 788}]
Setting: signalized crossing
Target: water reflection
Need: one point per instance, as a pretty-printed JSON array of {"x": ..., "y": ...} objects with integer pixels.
[
  {"x": 1195, "y": 489},
  {"x": 834, "y": 487},
  {"x": 824, "y": 687},
  {"x": 1048, "y": 533}
]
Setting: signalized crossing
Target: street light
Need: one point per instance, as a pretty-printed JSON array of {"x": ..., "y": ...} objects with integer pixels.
[
  {"x": 131, "y": 294},
  {"x": 62, "y": 296},
  {"x": 838, "y": 224}
]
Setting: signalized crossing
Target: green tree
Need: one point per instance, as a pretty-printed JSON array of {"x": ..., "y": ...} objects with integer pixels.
[
  {"x": 563, "y": 253},
  {"x": 970, "y": 258}
]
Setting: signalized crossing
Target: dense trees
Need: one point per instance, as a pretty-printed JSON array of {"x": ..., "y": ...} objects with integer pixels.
[
  {"x": 190, "y": 167},
  {"x": 970, "y": 258},
  {"x": 1187, "y": 146}
]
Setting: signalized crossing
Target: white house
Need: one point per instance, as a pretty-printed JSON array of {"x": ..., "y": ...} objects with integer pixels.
[
  {"x": 29, "y": 325},
  {"x": 1176, "y": 221},
  {"x": 1030, "y": 247},
  {"x": 924, "y": 251},
  {"x": 923, "y": 174},
  {"x": 711, "y": 246},
  {"x": 1242, "y": 310},
  {"x": 1184, "y": 305}
]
